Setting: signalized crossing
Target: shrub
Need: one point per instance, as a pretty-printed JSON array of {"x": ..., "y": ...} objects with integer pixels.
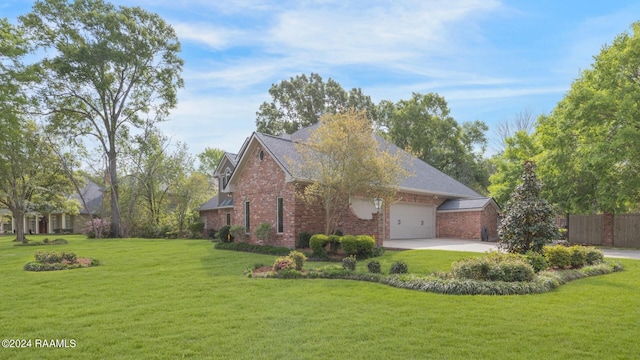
[
  {"x": 537, "y": 261},
  {"x": 374, "y": 267},
  {"x": 196, "y": 229},
  {"x": 557, "y": 256},
  {"x": 298, "y": 259},
  {"x": 283, "y": 263},
  {"x": 365, "y": 245},
  {"x": 259, "y": 249},
  {"x": 97, "y": 228},
  {"x": 349, "y": 263},
  {"x": 578, "y": 256},
  {"x": 264, "y": 231},
  {"x": 349, "y": 244},
  {"x": 334, "y": 243},
  {"x": 238, "y": 232},
  {"x": 303, "y": 240},
  {"x": 55, "y": 257},
  {"x": 593, "y": 256},
  {"x": 224, "y": 235},
  {"x": 494, "y": 267},
  {"x": 399, "y": 267},
  {"x": 318, "y": 243}
]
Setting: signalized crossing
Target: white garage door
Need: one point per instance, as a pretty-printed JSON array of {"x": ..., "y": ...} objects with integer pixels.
[{"x": 412, "y": 221}]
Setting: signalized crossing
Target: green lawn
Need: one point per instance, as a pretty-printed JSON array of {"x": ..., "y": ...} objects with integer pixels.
[{"x": 171, "y": 299}]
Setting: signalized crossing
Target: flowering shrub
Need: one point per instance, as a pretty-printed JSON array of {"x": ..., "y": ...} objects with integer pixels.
[
  {"x": 282, "y": 263},
  {"x": 298, "y": 259},
  {"x": 97, "y": 228},
  {"x": 49, "y": 261}
]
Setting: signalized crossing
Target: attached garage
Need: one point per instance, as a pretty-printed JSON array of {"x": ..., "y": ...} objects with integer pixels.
[{"x": 412, "y": 221}]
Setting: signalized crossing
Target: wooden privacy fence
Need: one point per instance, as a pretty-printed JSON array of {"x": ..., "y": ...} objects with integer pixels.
[{"x": 619, "y": 230}]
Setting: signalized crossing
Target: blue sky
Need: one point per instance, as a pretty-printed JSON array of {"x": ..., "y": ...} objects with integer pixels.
[{"x": 490, "y": 59}]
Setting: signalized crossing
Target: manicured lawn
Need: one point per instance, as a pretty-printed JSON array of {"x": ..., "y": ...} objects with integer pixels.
[{"x": 168, "y": 299}]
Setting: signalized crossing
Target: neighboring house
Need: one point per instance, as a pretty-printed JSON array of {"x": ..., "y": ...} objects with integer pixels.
[
  {"x": 257, "y": 185},
  {"x": 57, "y": 222}
]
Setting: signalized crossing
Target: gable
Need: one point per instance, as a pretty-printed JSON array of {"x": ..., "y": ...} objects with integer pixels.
[{"x": 256, "y": 162}]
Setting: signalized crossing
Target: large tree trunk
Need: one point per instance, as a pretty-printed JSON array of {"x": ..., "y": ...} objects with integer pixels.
[
  {"x": 18, "y": 217},
  {"x": 115, "y": 209}
]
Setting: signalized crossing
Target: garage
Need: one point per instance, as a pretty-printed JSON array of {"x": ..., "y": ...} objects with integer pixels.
[{"x": 412, "y": 221}]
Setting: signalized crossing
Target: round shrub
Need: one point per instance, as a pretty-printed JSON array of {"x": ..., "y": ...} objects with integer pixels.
[
  {"x": 318, "y": 243},
  {"x": 283, "y": 263},
  {"x": 298, "y": 259},
  {"x": 578, "y": 256},
  {"x": 537, "y": 261},
  {"x": 349, "y": 244},
  {"x": 365, "y": 244},
  {"x": 349, "y": 263},
  {"x": 374, "y": 267},
  {"x": 557, "y": 256},
  {"x": 507, "y": 268},
  {"x": 593, "y": 256},
  {"x": 399, "y": 267}
]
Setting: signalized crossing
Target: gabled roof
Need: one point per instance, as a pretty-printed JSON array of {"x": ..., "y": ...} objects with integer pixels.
[
  {"x": 227, "y": 156},
  {"x": 465, "y": 204},
  {"x": 425, "y": 179},
  {"x": 93, "y": 195}
]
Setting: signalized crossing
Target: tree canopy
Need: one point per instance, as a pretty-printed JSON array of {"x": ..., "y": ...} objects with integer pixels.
[
  {"x": 344, "y": 159},
  {"x": 301, "y": 101},
  {"x": 591, "y": 157},
  {"x": 105, "y": 69},
  {"x": 424, "y": 127}
]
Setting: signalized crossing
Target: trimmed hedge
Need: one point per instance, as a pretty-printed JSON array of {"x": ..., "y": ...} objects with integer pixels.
[
  {"x": 318, "y": 242},
  {"x": 259, "y": 249},
  {"x": 495, "y": 267}
]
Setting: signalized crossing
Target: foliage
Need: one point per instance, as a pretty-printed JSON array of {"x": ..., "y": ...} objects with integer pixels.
[
  {"x": 588, "y": 161},
  {"x": 365, "y": 245},
  {"x": 298, "y": 259},
  {"x": 334, "y": 243},
  {"x": 303, "y": 240},
  {"x": 196, "y": 228},
  {"x": 264, "y": 231},
  {"x": 494, "y": 267},
  {"x": 594, "y": 256},
  {"x": 349, "y": 263},
  {"x": 349, "y": 244},
  {"x": 557, "y": 256},
  {"x": 399, "y": 267},
  {"x": 224, "y": 234},
  {"x": 259, "y": 249},
  {"x": 209, "y": 160},
  {"x": 519, "y": 147},
  {"x": 578, "y": 256},
  {"x": 97, "y": 228},
  {"x": 50, "y": 261},
  {"x": 301, "y": 101},
  {"x": 343, "y": 159},
  {"x": 238, "y": 232},
  {"x": 318, "y": 242},
  {"x": 374, "y": 267},
  {"x": 424, "y": 127},
  {"x": 283, "y": 263},
  {"x": 105, "y": 69},
  {"x": 537, "y": 261},
  {"x": 528, "y": 223}
]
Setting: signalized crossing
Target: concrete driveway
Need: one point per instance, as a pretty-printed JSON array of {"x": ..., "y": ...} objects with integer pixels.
[{"x": 481, "y": 246}]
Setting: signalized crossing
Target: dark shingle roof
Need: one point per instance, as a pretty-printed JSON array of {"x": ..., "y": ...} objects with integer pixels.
[
  {"x": 212, "y": 204},
  {"x": 93, "y": 195},
  {"x": 465, "y": 204},
  {"x": 425, "y": 177}
]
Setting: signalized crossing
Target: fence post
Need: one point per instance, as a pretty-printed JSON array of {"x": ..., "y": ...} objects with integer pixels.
[{"x": 607, "y": 228}]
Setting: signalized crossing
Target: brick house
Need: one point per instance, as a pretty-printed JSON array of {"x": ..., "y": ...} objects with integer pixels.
[{"x": 256, "y": 185}]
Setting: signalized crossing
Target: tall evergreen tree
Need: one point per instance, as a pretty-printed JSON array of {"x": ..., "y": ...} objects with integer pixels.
[{"x": 528, "y": 223}]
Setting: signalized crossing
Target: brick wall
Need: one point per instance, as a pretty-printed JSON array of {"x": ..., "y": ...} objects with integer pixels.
[
  {"x": 215, "y": 219},
  {"x": 468, "y": 224},
  {"x": 261, "y": 182}
]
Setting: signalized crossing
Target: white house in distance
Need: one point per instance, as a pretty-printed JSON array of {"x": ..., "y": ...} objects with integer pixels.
[{"x": 57, "y": 222}]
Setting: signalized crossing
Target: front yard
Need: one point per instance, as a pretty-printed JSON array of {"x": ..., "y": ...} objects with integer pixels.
[{"x": 171, "y": 299}]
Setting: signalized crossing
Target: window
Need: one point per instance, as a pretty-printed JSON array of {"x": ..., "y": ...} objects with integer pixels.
[
  {"x": 261, "y": 155},
  {"x": 228, "y": 218},
  {"x": 247, "y": 217},
  {"x": 280, "y": 207}
]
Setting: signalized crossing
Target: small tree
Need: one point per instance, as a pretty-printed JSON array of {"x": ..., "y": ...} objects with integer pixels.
[
  {"x": 264, "y": 232},
  {"x": 528, "y": 223}
]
